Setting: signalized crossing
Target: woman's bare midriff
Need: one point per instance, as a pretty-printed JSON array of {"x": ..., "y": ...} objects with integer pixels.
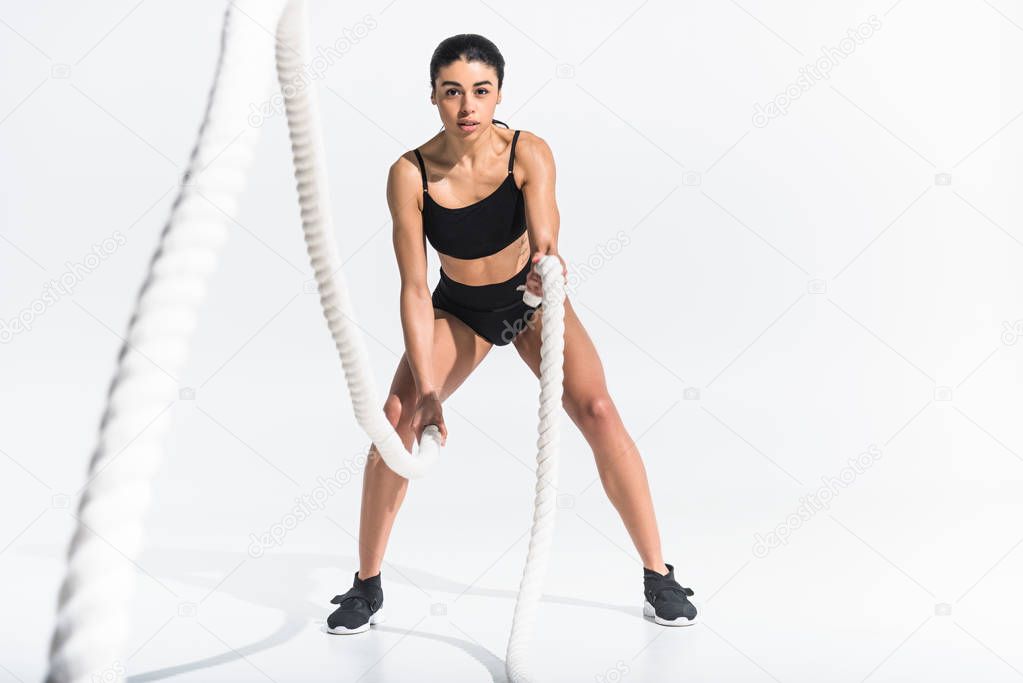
[{"x": 486, "y": 270}]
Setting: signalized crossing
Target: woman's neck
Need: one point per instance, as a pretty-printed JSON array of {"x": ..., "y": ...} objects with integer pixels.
[{"x": 469, "y": 154}]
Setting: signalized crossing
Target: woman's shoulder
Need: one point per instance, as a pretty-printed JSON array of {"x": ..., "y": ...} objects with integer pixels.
[
  {"x": 524, "y": 134},
  {"x": 409, "y": 161},
  {"x": 405, "y": 166},
  {"x": 403, "y": 178},
  {"x": 531, "y": 150},
  {"x": 425, "y": 148},
  {"x": 530, "y": 142}
]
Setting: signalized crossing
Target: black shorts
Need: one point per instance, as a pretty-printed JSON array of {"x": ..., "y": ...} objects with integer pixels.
[{"x": 495, "y": 312}]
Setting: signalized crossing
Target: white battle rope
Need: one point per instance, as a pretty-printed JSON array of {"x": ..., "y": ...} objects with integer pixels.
[
  {"x": 92, "y": 606},
  {"x": 552, "y": 353},
  {"x": 92, "y": 619},
  {"x": 314, "y": 198}
]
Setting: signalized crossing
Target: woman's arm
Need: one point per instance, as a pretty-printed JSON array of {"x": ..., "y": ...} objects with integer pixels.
[
  {"x": 403, "y": 188},
  {"x": 542, "y": 218}
]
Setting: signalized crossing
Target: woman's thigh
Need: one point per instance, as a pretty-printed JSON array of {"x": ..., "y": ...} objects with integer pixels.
[
  {"x": 584, "y": 373},
  {"x": 457, "y": 351}
]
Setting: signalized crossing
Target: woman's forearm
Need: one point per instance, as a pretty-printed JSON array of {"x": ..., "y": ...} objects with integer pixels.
[{"x": 417, "y": 327}]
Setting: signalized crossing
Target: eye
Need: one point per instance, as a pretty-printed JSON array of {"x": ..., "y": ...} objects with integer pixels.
[
  {"x": 482, "y": 91},
  {"x": 451, "y": 91}
]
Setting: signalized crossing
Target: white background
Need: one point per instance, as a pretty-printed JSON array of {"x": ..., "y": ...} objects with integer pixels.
[{"x": 810, "y": 282}]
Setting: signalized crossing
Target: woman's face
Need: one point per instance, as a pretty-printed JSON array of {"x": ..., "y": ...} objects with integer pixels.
[{"x": 466, "y": 95}]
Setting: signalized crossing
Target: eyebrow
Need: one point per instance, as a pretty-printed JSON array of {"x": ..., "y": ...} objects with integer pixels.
[{"x": 460, "y": 85}]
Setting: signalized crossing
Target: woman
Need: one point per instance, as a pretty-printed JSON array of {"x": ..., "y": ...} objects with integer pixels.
[{"x": 484, "y": 198}]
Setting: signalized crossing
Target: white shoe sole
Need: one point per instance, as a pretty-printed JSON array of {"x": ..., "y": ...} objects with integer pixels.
[
  {"x": 376, "y": 618},
  {"x": 648, "y": 611}
]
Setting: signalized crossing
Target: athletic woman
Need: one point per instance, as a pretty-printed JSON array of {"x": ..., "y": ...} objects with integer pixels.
[{"x": 483, "y": 197}]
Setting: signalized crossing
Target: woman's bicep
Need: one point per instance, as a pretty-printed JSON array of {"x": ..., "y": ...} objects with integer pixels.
[
  {"x": 542, "y": 217},
  {"x": 407, "y": 227}
]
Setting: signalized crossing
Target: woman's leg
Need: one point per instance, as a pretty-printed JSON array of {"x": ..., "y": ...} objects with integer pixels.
[
  {"x": 457, "y": 350},
  {"x": 589, "y": 405}
]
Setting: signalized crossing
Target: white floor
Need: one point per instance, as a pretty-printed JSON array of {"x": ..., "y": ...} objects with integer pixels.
[{"x": 854, "y": 595}]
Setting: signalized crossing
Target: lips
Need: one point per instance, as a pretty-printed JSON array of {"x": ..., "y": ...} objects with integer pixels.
[{"x": 468, "y": 125}]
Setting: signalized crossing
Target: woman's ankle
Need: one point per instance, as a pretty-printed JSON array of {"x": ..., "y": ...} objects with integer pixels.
[{"x": 658, "y": 567}]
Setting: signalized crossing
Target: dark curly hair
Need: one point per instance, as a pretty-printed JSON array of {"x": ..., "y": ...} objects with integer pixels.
[{"x": 471, "y": 47}]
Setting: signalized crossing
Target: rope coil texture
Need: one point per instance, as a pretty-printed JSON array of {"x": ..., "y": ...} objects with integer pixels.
[{"x": 100, "y": 580}]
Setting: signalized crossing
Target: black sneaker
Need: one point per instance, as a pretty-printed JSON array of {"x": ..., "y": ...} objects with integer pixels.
[
  {"x": 358, "y": 608},
  {"x": 667, "y": 601}
]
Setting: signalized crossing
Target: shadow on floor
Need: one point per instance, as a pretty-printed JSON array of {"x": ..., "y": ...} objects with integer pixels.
[{"x": 281, "y": 577}]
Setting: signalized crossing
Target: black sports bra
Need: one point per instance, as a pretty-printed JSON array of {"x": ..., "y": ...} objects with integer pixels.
[{"x": 479, "y": 229}]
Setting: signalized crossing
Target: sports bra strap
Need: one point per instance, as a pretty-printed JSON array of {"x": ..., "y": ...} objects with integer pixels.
[
  {"x": 422, "y": 167},
  {"x": 511, "y": 159}
]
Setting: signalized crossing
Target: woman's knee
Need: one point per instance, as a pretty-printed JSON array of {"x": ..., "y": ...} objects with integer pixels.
[
  {"x": 393, "y": 407},
  {"x": 591, "y": 409},
  {"x": 399, "y": 412}
]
